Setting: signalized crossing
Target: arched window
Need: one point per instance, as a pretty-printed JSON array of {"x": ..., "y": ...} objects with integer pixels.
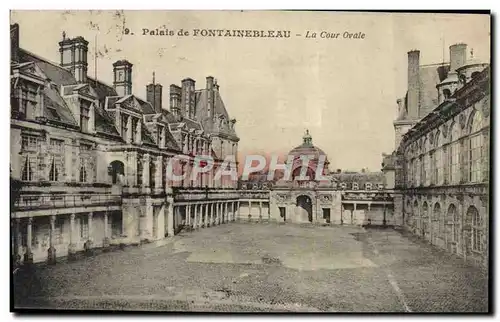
[
  {"x": 438, "y": 165},
  {"x": 476, "y": 229},
  {"x": 416, "y": 216},
  {"x": 437, "y": 222},
  {"x": 454, "y": 222},
  {"x": 425, "y": 219},
  {"x": 454, "y": 157},
  {"x": 446, "y": 93},
  {"x": 27, "y": 173},
  {"x": 475, "y": 145},
  {"x": 425, "y": 172}
]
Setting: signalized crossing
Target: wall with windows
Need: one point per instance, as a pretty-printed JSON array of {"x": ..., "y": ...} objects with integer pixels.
[{"x": 446, "y": 178}]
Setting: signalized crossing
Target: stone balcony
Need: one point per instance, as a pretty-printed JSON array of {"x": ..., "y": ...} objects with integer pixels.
[{"x": 26, "y": 202}]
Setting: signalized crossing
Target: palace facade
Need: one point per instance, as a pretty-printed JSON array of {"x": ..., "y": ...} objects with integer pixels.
[
  {"x": 88, "y": 159},
  {"x": 339, "y": 198},
  {"x": 441, "y": 162}
]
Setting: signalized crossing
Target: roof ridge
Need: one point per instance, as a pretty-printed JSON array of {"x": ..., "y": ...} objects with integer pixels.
[
  {"x": 43, "y": 59},
  {"x": 96, "y": 80}
]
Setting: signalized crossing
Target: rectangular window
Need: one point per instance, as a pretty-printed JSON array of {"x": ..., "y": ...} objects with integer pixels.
[
  {"x": 124, "y": 126},
  {"x": 53, "y": 171},
  {"x": 23, "y": 106},
  {"x": 29, "y": 142},
  {"x": 438, "y": 167},
  {"x": 476, "y": 158},
  {"x": 134, "y": 129},
  {"x": 446, "y": 164},
  {"x": 84, "y": 116},
  {"x": 57, "y": 146},
  {"x": 139, "y": 172},
  {"x": 455, "y": 163},
  {"x": 85, "y": 147},
  {"x": 83, "y": 171},
  {"x": 28, "y": 170},
  {"x": 432, "y": 168}
]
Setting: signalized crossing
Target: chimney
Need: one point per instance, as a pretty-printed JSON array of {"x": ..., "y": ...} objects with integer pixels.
[
  {"x": 154, "y": 96},
  {"x": 458, "y": 56},
  {"x": 188, "y": 97},
  {"x": 14, "y": 42},
  {"x": 175, "y": 100},
  {"x": 210, "y": 96},
  {"x": 74, "y": 56},
  {"x": 122, "y": 71},
  {"x": 413, "y": 101}
]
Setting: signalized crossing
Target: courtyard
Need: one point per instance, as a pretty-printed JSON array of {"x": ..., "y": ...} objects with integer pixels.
[{"x": 245, "y": 267}]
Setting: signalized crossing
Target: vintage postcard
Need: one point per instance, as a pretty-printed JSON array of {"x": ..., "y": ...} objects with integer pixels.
[{"x": 250, "y": 161}]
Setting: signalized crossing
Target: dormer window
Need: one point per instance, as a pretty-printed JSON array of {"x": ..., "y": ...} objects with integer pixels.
[
  {"x": 134, "y": 127},
  {"x": 446, "y": 93},
  {"x": 343, "y": 185},
  {"x": 368, "y": 186},
  {"x": 84, "y": 115},
  {"x": 355, "y": 186},
  {"x": 124, "y": 126}
]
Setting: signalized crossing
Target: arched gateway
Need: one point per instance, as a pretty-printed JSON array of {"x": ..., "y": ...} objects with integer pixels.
[{"x": 303, "y": 210}]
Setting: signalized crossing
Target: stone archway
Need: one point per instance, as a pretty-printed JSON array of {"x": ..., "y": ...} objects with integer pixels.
[
  {"x": 117, "y": 171},
  {"x": 303, "y": 210}
]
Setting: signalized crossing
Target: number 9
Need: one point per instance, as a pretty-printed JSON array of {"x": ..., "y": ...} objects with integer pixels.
[{"x": 126, "y": 31}]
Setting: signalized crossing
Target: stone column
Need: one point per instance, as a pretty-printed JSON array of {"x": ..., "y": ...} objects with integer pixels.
[
  {"x": 226, "y": 213},
  {"x": 188, "y": 215},
  {"x": 212, "y": 214},
  {"x": 260, "y": 211},
  {"x": 342, "y": 214},
  {"x": 206, "y": 216},
  {"x": 88, "y": 244},
  {"x": 238, "y": 210},
  {"x": 51, "y": 258},
  {"x": 195, "y": 222},
  {"x": 105, "y": 242},
  {"x": 170, "y": 219},
  {"x": 353, "y": 211},
  {"x": 28, "y": 256},
  {"x": 249, "y": 210},
  {"x": 72, "y": 237},
  {"x": 219, "y": 213},
  {"x": 19, "y": 241}
]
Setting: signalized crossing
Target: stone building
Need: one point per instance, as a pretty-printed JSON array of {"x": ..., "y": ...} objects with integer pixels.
[
  {"x": 88, "y": 159},
  {"x": 343, "y": 198},
  {"x": 441, "y": 161}
]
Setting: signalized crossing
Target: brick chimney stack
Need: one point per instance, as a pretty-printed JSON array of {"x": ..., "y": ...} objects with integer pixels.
[
  {"x": 14, "y": 42},
  {"x": 188, "y": 97},
  {"x": 413, "y": 84},
  {"x": 154, "y": 96},
  {"x": 458, "y": 56},
  {"x": 74, "y": 56}
]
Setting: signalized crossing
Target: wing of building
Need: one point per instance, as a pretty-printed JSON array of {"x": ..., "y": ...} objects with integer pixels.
[
  {"x": 89, "y": 160},
  {"x": 440, "y": 166}
]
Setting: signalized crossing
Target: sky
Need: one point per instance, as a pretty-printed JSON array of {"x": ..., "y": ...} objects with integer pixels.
[{"x": 343, "y": 90}]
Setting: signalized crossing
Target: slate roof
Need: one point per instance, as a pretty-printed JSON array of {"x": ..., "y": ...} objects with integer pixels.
[
  {"x": 54, "y": 72},
  {"x": 202, "y": 111},
  {"x": 430, "y": 76}
]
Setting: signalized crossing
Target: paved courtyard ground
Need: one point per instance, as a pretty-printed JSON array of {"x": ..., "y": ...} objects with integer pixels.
[{"x": 247, "y": 267}]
